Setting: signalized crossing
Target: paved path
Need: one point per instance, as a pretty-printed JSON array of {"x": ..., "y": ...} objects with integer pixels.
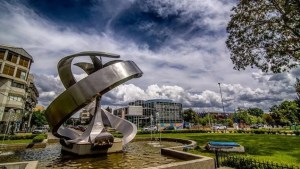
[{"x": 51, "y": 138}]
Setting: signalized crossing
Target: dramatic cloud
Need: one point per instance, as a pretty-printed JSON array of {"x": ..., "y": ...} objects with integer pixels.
[{"x": 179, "y": 45}]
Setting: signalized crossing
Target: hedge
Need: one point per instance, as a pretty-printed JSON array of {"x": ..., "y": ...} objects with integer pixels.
[
  {"x": 20, "y": 137},
  {"x": 38, "y": 138},
  {"x": 253, "y": 131}
]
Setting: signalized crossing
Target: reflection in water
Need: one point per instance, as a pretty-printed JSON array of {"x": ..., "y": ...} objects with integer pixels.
[{"x": 136, "y": 155}]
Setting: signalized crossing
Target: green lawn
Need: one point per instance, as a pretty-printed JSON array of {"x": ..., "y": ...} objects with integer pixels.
[
  {"x": 276, "y": 148},
  {"x": 16, "y": 141}
]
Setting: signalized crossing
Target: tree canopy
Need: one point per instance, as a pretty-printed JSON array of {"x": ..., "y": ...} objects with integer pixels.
[
  {"x": 286, "y": 113},
  {"x": 38, "y": 118},
  {"x": 265, "y": 34},
  {"x": 256, "y": 112},
  {"x": 190, "y": 115}
]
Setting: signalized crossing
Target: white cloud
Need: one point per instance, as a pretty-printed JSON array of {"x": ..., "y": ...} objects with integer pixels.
[
  {"x": 184, "y": 70},
  {"x": 213, "y": 14}
]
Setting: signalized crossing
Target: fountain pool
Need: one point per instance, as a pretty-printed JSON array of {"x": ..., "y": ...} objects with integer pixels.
[{"x": 136, "y": 155}]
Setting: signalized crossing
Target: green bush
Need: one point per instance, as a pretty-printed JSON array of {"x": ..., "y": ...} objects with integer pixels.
[
  {"x": 297, "y": 133},
  {"x": 253, "y": 131},
  {"x": 38, "y": 138},
  {"x": 239, "y": 131},
  {"x": 19, "y": 137},
  {"x": 175, "y": 131}
]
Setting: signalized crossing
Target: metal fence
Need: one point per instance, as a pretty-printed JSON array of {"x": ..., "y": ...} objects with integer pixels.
[{"x": 240, "y": 162}]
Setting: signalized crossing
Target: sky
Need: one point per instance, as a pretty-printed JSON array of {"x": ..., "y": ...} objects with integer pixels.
[{"x": 179, "y": 46}]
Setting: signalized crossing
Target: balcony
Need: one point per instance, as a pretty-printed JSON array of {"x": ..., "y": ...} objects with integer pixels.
[
  {"x": 15, "y": 104},
  {"x": 17, "y": 91}
]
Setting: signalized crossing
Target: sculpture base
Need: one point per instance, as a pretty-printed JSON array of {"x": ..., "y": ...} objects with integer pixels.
[{"x": 86, "y": 148}]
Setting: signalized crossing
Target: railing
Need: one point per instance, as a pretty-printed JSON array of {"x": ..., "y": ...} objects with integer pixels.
[{"x": 240, "y": 162}]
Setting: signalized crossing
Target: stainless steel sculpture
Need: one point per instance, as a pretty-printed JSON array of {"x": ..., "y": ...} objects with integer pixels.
[{"x": 87, "y": 93}]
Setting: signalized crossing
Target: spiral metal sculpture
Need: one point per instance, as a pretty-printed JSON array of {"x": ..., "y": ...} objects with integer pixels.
[{"x": 87, "y": 93}]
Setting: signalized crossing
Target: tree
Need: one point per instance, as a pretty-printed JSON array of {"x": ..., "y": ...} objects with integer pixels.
[
  {"x": 255, "y": 112},
  {"x": 253, "y": 119},
  {"x": 38, "y": 118},
  {"x": 190, "y": 115},
  {"x": 268, "y": 119},
  {"x": 243, "y": 116},
  {"x": 265, "y": 34},
  {"x": 286, "y": 113}
]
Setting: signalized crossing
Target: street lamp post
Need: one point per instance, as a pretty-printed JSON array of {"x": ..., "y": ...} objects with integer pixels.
[
  {"x": 30, "y": 116},
  {"x": 221, "y": 97},
  {"x": 158, "y": 126},
  {"x": 7, "y": 127},
  {"x": 151, "y": 121}
]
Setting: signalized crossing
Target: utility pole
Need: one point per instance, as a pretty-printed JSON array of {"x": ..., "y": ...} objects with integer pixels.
[{"x": 221, "y": 97}]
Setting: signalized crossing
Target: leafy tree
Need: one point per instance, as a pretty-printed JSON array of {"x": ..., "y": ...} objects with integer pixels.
[
  {"x": 260, "y": 120},
  {"x": 229, "y": 122},
  {"x": 203, "y": 121},
  {"x": 268, "y": 119},
  {"x": 253, "y": 119},
  {"x": 265, "y": 34},
  {"x": 191, "y": 116},
  {"x": 243, "y": 116},
  {"x": 255, "y": 112},
  {"x": 38, "y": 118},
  {"x": 286, "y": 113}
]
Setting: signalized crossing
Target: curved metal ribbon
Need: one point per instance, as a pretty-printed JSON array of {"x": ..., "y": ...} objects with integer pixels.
[{"x": 101, "y": 79}]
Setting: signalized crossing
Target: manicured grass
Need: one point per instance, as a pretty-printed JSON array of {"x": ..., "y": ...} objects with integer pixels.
[
  {"x": 276, "y": 148},
  {"x": 16, "y": 141}
]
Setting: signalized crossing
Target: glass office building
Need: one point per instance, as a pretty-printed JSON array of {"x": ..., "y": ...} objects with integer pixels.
[{"x": 164, "y": 112}]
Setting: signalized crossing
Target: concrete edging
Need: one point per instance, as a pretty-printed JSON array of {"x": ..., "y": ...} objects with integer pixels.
[
  {"x": 25, "y": 165},
  {"x": 193, "y": 161}
]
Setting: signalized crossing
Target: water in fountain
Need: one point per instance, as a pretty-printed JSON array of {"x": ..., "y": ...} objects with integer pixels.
[{"x": 136, "y": 155}]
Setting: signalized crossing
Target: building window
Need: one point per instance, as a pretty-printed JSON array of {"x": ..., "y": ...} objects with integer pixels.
[
  {"x": 12, "y": 57},
  {"x": 2, "y": 53},
  {"x": 21, "y": 74},
  {"x": 24, "y": 62},
  {"x": 18, "y": 85},
  {"x": 15, "y": 98},
  {"x": 8, "y": 70}
]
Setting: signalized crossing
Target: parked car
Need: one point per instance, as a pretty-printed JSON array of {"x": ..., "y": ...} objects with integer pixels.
[
  {"x": 219, "y": 127},
  {"x": 256, "y": 126},
  {"x": 149, "y": 128},
  {"x": 39, "y": 130}
]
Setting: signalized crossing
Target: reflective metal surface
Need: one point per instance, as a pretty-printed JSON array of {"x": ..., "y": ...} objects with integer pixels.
[{"x": 87, "y": 93}]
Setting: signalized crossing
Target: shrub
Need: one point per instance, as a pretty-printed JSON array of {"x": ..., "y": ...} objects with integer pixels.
[
  {"x": 297, "y": 133},
  {"x": 38, "y": 138},
  {"x": 20, "y": 137},
  {"x": 259, "y": 131},
  {"x": 239, "y": 131}
]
